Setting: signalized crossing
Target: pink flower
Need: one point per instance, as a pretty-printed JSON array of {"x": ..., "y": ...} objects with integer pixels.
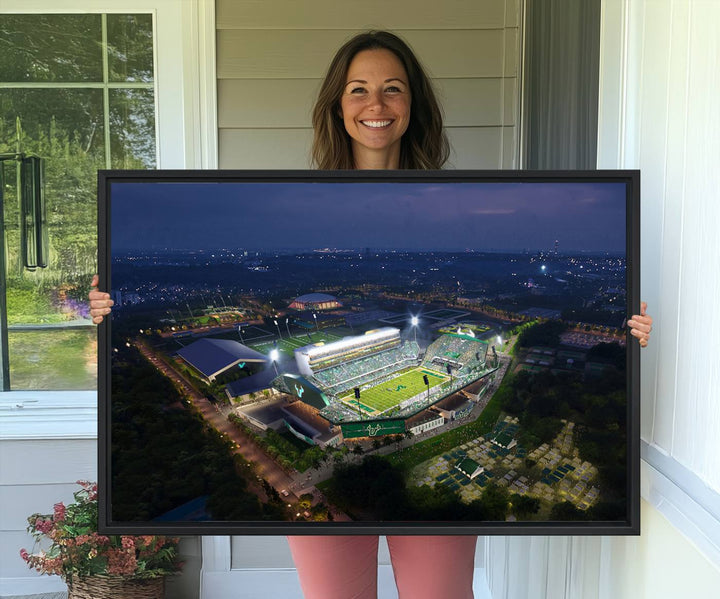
[
  {"x": 24, "y": 555},
  {"x": 59, "y": 512},
  {"x": 128, "y": 542},
  {"x": 44, "y": 526},
  {"x": 121, "y": 562}
]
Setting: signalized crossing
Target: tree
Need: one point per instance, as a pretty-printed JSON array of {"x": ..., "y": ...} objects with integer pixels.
[
  {"x": 566, "y": 511},
  {"x": 523, "y": 506},
  {"x": 495, "y": 502}
]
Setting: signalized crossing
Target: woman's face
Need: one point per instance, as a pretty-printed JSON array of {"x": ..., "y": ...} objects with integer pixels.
[{"x": 375, "y": 104}]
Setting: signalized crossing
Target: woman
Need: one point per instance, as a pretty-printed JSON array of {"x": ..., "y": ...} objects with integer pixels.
[{"x": 377, "y": 110}]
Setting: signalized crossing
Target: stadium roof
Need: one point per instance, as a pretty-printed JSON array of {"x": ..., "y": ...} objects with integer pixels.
[
  {"x": 312, "y": 298},
  {"x": 251, "y": 384},
  {"x": 211, "y": 356}
]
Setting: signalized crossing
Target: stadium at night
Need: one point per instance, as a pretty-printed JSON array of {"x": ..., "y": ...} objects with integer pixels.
[
  {"x": 372, "y": 384},
  {"x": 315, "y": 301}
]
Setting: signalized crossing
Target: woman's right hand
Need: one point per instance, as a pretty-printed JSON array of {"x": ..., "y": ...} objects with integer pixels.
[{"x": 100, "y": 302}]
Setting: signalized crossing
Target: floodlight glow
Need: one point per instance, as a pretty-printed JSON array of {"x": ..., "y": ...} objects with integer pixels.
[
  {"x": 543, "y": 267},
  {"x": 274, "y": 355},
  {"x": 499, "y": 339},
  {"x": 386, "y": 333},
  {"x": 414, "y": 321}
]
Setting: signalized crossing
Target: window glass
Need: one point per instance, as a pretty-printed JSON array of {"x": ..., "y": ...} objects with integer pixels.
[
  {"x": 36, "y": 48},
  {"x": 130, "y": 47},
  {"x": 57, "y": 102},
  {"x": 132, "y": 128}
]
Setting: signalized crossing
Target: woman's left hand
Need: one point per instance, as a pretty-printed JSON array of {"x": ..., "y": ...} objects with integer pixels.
[{"x": 641, "y": 325}]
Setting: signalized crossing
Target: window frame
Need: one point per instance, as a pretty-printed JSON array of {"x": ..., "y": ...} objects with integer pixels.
[{"x": 186, "y": 137}]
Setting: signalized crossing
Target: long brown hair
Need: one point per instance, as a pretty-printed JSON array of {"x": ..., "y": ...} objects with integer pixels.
[{"x": 424, "y": 144}]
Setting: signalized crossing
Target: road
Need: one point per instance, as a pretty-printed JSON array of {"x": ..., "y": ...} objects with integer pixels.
[{"x": 265, "y": 466}]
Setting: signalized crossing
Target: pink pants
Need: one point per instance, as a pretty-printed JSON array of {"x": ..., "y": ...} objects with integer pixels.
[{"x": 345, "y": 567}]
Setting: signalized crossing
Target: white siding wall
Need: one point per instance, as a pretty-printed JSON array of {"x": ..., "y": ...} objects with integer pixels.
[{"x": 272, "y": 55}]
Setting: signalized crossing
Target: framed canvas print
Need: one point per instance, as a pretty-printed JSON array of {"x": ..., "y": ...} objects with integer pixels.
[{"x": 381, "y": 352}]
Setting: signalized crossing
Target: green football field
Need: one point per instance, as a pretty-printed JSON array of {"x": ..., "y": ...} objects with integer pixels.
[{"x": 390, "y": 393}]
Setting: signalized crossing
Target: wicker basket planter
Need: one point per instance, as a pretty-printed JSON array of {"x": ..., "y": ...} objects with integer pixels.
[{"x": 116, "y": 587}]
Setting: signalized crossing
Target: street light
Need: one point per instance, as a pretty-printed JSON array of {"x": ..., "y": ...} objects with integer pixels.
[{"x": 278, "y": 327}]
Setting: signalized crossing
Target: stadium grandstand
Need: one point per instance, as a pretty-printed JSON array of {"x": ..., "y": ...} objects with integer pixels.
[
  {"x": 315, "y": 301},
  {"x": 316, "y": 357},
  {"x": 456, "y": 351},
  {"x": 374, "y": 384},
  {"x": 344, "y": 376},
  {"x": 211, "y": 357}
]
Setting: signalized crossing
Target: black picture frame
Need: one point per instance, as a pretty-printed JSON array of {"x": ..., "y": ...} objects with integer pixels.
[{"x": 149, "y": 223}]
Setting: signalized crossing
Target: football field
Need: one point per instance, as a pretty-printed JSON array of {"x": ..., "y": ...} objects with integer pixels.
[{"x": 385, "y": 395}]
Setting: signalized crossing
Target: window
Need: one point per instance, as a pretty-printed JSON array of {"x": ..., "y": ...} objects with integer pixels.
[{"x": 78, "y": 91}]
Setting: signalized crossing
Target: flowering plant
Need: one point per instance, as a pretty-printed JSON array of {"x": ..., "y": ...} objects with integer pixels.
[{"x": 76, "y": 548}]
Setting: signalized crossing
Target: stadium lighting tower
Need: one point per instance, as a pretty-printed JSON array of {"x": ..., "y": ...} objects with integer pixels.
[
  {"x": 277, "y": 326},
  {"x": 427, "y": 384},
  {"x": 287, "y": 326},
  {"x": 414, "y": 322},
  {"x": 274, "y": 355},
  {"x": 357, "y": 400},
  {"x": 240, "y": 333},
  {"x": 316, "y": 322}
]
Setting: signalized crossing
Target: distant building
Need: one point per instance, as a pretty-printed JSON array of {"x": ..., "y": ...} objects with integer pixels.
[
  {"x": 470, "y": 468},
  {"x": 315, "y": 301},
  {"x": 211, "y": 357},
  {"x": 425, "y": 421}
]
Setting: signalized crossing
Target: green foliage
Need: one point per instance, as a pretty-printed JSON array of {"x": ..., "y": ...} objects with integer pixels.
[
  {"x": 496, "y": 501},
  {"x": 67, "y": 358},
  {"x": 610, "y": 353},
  {"x": 566, "y": 511},
  {"x": 524, "y": 506},
  {"x": 544, "y": 334}
]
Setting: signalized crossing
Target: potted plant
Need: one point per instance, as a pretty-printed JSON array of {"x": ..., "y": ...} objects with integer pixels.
[{"x": 93, "y": 565}]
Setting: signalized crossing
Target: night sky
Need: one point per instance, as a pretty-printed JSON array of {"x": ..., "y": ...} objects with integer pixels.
[{"x": 415, "y": 216}]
